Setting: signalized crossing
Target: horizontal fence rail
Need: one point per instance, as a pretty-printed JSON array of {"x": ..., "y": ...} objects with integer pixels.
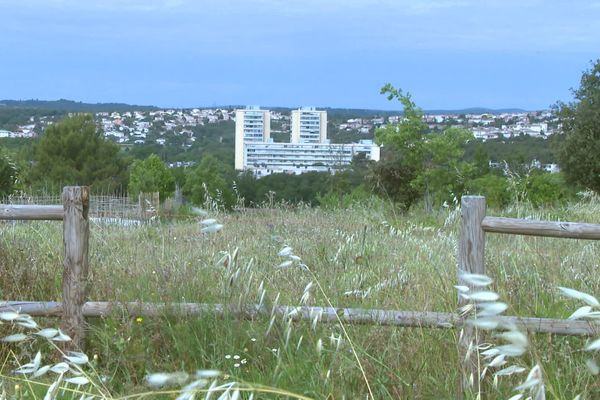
[
  {"x": 358, "y": 316},
  {"x": 570, "y": 230},
  {"x": 31, "y": 212}
]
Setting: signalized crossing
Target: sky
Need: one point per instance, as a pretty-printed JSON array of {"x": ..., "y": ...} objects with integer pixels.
[{"x": 326, "y": 53}]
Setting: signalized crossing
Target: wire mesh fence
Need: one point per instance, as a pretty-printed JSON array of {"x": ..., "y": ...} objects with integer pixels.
[{"x": 122, "y": 210}]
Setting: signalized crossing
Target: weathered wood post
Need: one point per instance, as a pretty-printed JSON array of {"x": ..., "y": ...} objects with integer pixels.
[
  {"x": 76, "y": 233},
  {"x": 471, "y": 259}
]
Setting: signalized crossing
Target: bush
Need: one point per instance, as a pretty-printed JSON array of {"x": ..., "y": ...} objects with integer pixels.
[{"x": 494, "y": 188}]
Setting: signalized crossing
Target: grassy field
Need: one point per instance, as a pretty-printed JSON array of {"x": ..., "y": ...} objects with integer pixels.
[{"x": 367, "y": 256}]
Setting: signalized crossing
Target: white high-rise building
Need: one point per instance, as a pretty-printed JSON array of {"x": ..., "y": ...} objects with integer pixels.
[
  {"x": 252, "y": 125},
  {"x": 309, "y": 125},
  {"x": 308, "y": 150}
]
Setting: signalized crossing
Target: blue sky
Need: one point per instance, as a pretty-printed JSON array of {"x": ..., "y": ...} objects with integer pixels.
[{"x": 335, "y": 53}]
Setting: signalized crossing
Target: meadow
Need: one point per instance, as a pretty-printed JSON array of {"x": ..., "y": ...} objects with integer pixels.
[{"x": 364, "y": 256}]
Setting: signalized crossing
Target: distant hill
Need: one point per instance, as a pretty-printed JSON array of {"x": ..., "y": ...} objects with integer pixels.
[
  {"x": 77, "y": 106},
  {"x": 477, "y": 110},
  {"x": 363, "y": 113},
  {"x": 72, "y": 106}
]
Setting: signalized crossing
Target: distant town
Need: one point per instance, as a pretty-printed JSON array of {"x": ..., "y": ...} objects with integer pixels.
[
  {"x": 134, "y": 127},
  {"x": 179, "y": 127}
]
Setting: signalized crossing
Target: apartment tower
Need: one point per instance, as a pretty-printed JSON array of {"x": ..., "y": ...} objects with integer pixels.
[
  {"x": 309, "y": 125},
  {"x": 252, "y": 125}
]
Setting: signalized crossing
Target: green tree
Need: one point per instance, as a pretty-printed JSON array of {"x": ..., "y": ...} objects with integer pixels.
[
  {"x": 391, "y": 178},
  {"x": 495, "y": 188},
  {"x": 151, "y": 175},
  {"x": 210, "y": 178},
  {"x": 444, "y": 173},
  {"x": 543, "y": 188},
  {"x": 401, "y": 160},
  {"x": 578, "y": 156},
  {"x": 75, "y": 152},
  {"x": 8, "y": 175},
  {"x": 418, "y": 163}
]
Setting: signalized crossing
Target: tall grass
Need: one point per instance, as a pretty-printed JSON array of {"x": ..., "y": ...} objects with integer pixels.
[{"x": 362, "y": 256}]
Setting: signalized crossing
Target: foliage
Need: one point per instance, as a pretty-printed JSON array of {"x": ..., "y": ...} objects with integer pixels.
[
  {"x": 420, "y": 163},
  {"x": 515, "y": 151},
  {"x": 342, "y": 200},
  {"x": 216, "y": 139},
  {"x": 401, "y": 160},
  {"x": 64, "y": 105},
  {"x": 10, "y": 118},
  {"x": 493, "y": 187},
  {"x": 151, "y": 175},
  {"x": 581, "y": 125},
  {"x": 8, "y": 175},
  {"x": 210, "y": 179},
  {"x": 536, "y": 187},
  {"x": 308, "y": 188},
  {"x": 543, "y": 189},
  {"x": 74, "y": 152},
  {"x": 444, "y": 174},
  {"x": 391, "y": 178}
]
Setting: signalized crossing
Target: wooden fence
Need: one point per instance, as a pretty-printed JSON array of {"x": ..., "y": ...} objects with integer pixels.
[
  {"x": 471, "y": 258},
  {"x": 76, "y": 232}
]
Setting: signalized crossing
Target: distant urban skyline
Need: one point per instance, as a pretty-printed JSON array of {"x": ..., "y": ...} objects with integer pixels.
[{"x": 175, "y": 53}]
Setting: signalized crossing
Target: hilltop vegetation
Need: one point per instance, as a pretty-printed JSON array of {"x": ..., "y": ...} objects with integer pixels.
[{"x": 63, "y": 105}]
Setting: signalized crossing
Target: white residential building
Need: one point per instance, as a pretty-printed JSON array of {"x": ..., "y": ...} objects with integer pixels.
[
  {"x": 251, "y": 125},
  {"x": 309, "y": 125},
  {"x": 295, "y": 158},
  {"x": 308, "y": 150}
]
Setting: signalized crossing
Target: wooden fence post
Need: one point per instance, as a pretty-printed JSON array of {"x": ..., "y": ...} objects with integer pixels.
[
  {"x": 471, "y": 259},
  {"x": 76, "y": 235}
]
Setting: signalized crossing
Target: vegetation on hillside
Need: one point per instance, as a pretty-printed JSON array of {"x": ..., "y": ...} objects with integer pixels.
[
  {"x": 75, "y": 152},
  {"x": 581, "y": 124}
]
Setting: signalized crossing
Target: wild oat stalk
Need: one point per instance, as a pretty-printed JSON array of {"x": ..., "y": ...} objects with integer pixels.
[
  {"x": 287, "y": 251},
  {"x": 485, "y": 310},
  {"x": 590, "y": 312}
]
